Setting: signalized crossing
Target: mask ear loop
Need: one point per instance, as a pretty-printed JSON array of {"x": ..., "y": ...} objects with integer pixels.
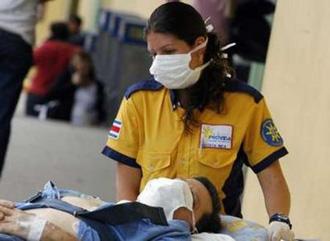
[
  {"x": 194, "y": 228},
  {"x": 202, "y": 45}
]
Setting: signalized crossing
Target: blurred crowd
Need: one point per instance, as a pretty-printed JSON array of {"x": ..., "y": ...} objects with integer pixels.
[{"x": 64, "y": 86}]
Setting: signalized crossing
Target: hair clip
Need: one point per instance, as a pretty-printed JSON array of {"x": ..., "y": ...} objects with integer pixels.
[
  {"x": 224, "y": 55},
  {"x": 228, "y": 46},
  {"x": 207, "y": 19},
  {"x": 209, "y": 27}
]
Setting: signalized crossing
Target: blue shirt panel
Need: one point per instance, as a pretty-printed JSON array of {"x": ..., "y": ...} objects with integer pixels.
[{"x": 145, "y": 230}]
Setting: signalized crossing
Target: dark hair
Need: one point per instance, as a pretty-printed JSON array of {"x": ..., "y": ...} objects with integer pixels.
[
  {"x": 85, "y": 57},
  {"x": 59, "y": 31},
  {"x": 210, "y": 222},
  {"x": 75, "y": 19},
  {"x": 184, "y": 22}
]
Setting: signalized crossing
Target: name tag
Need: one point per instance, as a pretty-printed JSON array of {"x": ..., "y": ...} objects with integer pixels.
[{"x": 216, "y": 136}]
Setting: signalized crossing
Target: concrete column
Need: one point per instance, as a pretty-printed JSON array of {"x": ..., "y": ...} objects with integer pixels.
[
  {"x": 297, "y": 87},
  {"x": 141, "y": 8},
  {"x": 58, "y": 10},
  {"x": 88, "y": 10}
]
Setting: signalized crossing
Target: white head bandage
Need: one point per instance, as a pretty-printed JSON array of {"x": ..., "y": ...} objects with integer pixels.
[{"x": 170, "y": 194}]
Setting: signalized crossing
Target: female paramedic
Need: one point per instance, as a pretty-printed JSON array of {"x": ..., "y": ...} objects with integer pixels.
[{"x": 193, "y": 119}]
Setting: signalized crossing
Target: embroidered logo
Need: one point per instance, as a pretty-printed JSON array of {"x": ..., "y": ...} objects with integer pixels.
[
  {"x": 270, "y": 133},
  {"x": 115, "y": 129},
  {"x": 216, "y": 136}
]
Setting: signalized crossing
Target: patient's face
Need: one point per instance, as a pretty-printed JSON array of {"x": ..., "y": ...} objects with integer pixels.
[
  {"x": 202, "y": 198},
  {"x": 178, "y": 198},
  {"x": 202, "y": 203}
]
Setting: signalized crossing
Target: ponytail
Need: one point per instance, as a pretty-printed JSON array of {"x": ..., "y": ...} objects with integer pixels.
[{"x": 208, "y": 91}]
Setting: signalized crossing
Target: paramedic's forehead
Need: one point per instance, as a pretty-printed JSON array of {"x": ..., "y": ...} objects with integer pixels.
[{"x": 162, "y": 43}]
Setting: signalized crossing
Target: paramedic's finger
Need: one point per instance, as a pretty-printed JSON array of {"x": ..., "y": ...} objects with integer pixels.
[
  {"x": 7, "y": 204},
  {"x": 278, "y": 231}
]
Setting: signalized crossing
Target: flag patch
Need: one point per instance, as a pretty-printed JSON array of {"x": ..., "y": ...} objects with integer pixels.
[{"x": 115, "y": 129}]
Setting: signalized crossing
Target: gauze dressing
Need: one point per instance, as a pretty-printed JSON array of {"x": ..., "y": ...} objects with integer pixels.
[{"x": 170, "y": 194}]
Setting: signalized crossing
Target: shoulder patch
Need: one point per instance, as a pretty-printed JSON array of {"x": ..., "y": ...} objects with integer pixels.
[
  {"x": 151, "y": 85},
  {"x": 270, "y": 133},
  {"x": 239, "y": 86}
]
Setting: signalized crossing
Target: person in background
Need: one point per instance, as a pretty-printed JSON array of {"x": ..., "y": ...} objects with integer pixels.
[
  {"x": 59, "y": 100},
  {"x": 88, "y": 98},
  {"x": 194, "y": 118},
  {"x": 77, "y": 95},
  {"x": 50, "y": 60},
  {"x": 219, "y": 13},
  {"x": 77, "y": 37},
  {"x": 244, "y": 23},
  {"x": 17, "y": 32}
]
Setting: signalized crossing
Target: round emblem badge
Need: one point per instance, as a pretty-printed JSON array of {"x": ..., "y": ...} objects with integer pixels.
[{"x": 270, "y": 133}]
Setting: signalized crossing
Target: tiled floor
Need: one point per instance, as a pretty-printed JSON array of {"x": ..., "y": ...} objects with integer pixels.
[{"x": 41, "y": 151}]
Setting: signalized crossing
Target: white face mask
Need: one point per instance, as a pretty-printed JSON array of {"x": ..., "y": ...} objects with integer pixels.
[
  {"x": 170, "y": 194},
  {"x": 173, "y": 70}
]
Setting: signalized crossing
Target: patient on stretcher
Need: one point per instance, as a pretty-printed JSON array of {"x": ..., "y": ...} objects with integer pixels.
[{"x": 167, "y": 209}]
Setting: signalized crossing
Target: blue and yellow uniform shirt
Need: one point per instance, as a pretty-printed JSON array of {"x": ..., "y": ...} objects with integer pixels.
[{"x": 148, "y": 133}]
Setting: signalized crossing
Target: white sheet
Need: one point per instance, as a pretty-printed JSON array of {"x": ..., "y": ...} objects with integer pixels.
[{"x": 211, "y": 237}]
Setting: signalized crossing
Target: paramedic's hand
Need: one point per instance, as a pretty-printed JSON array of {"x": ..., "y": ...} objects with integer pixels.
[{"x": 279, "y": 231}]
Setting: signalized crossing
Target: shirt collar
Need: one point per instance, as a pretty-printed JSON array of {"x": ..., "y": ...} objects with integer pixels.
[{"x": 174, "y": 99}]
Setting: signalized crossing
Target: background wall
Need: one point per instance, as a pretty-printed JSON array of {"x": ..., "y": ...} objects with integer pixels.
[
  {"x": 59, "y": 10},
  {"x": 297, "y": 88},
  {"x": 88, "y": 10},
  {"x": 55, "y": 11},
  {"x": 142, "y": 8}
]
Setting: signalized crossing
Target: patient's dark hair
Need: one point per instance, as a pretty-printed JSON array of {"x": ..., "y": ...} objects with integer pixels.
[{"x": 210, "y": 222}]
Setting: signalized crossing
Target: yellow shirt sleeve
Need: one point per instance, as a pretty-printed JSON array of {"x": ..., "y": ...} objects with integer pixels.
[
  {"x": 263, "y": 143},
  {"x": 123, "y": 138}
]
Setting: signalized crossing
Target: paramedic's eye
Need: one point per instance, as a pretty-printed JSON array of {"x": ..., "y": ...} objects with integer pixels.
[{"x": 169, "y": 51}]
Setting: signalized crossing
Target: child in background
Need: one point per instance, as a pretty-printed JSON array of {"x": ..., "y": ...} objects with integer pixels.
[
  {"x": 85, "y": 109},
  {"x": 77, "y": 94}
]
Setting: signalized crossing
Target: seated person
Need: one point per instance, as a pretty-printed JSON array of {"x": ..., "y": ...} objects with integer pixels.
[
  {"x": 50, "y": 60},
  {"x": 167, "y": 209},
  {"x": 77, "y": 93},
  {"x": 87, "y": 106}
]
